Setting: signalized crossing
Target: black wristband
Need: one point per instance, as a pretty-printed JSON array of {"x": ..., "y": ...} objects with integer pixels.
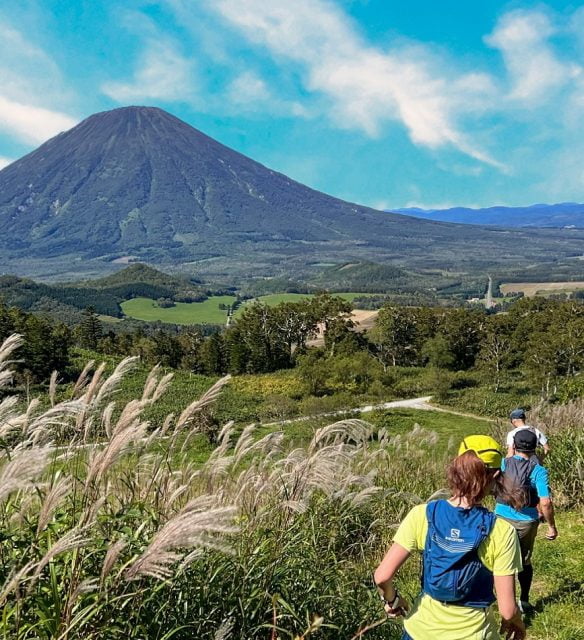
[{"x": 393, "y": 603}]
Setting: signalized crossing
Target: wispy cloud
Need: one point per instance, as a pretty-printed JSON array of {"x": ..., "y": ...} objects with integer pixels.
[
  {"x": 31, "y": 87},
  {"x": 163, "y": 74},
  {"x": 247, "y": 88},
  {"x": 4, "y": 162},
  {"x": 250, "y": 92},
  {"x": 366, "y": 86},
  {"x": 30, "y": 123},
  {"x": 535, "y": 69}
]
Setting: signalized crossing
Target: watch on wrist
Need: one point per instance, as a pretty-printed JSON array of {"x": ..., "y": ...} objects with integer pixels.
[{"x": 392, "y": 604}]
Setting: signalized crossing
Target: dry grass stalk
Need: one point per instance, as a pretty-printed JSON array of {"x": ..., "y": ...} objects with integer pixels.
[
  {"x": 14, "y": 581},
  {"x": 31, "y": 571},
  {"x": 53, "y": 387},
  {"x": 122, "y": 439},
  {"x": 21, "y": 472},
  {"x": 42, "y": 427},
  {"x": 8, "y": 347},
  {"x": 151, "y": 382},
  {"x": 74, "y": 539},
  {"x": 8, "y": 416},
  {"x": 60, "y": 489},
  {"x": 111, "y": 557},
  {"x": 111, "y": 384},
  {"x": 92, "y": 386},
  {"x": 106, "y": 418},
  {"x": 83, "y": 378},
  {"x": 354, "y": 430},
  {"x": 185, "y": 530},
  {"x": 209, "y": 397}
]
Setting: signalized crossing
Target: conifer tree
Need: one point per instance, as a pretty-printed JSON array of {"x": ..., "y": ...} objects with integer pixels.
[{"x": 90, "y": 329}]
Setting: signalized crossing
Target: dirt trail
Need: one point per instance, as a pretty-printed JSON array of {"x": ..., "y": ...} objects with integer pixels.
[{"x": 422, "y": 403}]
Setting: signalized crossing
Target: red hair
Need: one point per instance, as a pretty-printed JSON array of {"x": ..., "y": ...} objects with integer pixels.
[{"x": 469, "y": 478}]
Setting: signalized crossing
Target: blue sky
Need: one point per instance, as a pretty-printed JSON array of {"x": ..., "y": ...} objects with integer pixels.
[{"x": 383, "y": 102}]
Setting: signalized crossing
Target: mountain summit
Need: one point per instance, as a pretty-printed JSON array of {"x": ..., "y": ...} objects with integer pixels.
[{"x": 137, "y": 181}]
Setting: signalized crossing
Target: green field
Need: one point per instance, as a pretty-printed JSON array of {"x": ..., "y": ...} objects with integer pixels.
[{"x": 207, "y": 312}]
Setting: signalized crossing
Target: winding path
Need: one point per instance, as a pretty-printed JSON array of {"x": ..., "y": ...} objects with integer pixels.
[{"x": 422, "y": 404}]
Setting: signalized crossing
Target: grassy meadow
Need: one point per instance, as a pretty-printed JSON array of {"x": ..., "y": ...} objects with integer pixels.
[
  {"x": 208, "y": 311},
  {"x": 169, "y": 528}
]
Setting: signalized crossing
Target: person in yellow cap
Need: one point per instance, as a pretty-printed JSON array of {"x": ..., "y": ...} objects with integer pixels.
[{"x": 468, "y": 556}]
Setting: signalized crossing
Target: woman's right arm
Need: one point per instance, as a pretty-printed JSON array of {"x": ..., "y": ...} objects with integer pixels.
[
  {"x": 512, "y": 626},
  {"x": 384, "y": 574}
]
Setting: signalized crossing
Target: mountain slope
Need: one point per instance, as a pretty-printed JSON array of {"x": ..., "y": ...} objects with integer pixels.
[
  {"x": 564, "y": 214},
  {"x": 138, "y": 181}
]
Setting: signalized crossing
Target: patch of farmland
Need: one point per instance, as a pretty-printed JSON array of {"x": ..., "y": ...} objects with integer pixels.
[
  {"x": 206, "y": 312},
  {"x": 531, "y": 289}
]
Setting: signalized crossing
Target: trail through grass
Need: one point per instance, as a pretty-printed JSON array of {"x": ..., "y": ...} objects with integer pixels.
[{"x": 558, "y": 589}]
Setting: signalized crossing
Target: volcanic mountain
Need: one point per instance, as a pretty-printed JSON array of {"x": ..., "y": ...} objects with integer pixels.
[{"x": 136, "y": 181}]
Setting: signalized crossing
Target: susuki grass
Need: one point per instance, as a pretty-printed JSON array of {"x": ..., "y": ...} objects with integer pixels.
[{"x": 119, "y": 534}]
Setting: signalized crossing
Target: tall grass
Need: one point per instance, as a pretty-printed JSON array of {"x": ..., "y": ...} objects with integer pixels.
[{"x": 118, "y": 534}]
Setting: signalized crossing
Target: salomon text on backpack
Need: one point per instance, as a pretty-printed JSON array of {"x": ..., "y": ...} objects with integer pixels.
[{"x": 452, "y": 571}]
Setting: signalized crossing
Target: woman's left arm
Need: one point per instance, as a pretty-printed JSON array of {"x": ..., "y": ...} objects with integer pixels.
[{"x": 384, "y": 574}]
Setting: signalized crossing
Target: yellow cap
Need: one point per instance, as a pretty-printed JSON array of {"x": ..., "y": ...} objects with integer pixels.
[{"x": 486, "y": 448}]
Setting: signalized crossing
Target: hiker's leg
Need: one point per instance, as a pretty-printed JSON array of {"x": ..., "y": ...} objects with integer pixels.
[
  {"x": 406, "y": 636},
  {"x": 525, "y": 579},
  {"x": 526, "y": 542}
]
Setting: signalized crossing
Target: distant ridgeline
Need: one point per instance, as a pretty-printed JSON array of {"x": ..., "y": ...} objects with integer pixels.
[{"x": 104, "y": 295}]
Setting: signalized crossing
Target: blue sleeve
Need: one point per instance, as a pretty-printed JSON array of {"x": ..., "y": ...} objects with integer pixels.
[{"x": 539, "y": 477}]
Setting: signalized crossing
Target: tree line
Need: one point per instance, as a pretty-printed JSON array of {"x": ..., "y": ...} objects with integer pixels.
[{"x": 542, "y": 338}]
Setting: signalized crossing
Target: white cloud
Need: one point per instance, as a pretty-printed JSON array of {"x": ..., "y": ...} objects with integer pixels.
[
  {"x": 4, "y": 162},
  {"x": 535, "y": 70},
  {"x": 251, "y": 92},
  {"x": 163, "y": 74},
  {"x": 365, "y": 85},
  {"x": 248, "y": 87},
  {"x": 31, "y": 87},
  {"x": 30, "y": 123}
]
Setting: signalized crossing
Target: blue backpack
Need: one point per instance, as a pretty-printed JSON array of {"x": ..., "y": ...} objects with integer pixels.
[{"x": 452, "y": 571}]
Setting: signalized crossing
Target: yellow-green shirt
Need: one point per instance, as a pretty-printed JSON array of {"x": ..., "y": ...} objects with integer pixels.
[{"x": 429, "y": 619}]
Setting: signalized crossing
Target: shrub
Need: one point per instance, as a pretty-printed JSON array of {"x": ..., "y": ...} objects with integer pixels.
[{"x": 563, "y": 426}]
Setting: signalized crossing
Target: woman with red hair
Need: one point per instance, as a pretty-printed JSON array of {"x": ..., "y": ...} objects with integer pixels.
[{"x": 470, "y": 558}]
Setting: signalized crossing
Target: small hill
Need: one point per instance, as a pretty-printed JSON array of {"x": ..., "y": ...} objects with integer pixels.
[
  {"x": 141, "y": 280},
  {"x": 363, "y": 277},
  {"x": 104, "y": 295},
  {"x": 56, "y": 300},
  {"x": 140, "y": 273}
]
